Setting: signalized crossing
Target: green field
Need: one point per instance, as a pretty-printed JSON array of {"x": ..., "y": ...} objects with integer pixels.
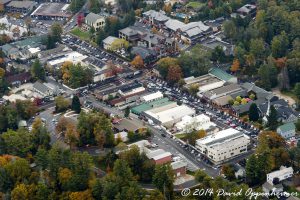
[
  {"x": 83, "y": 35},
  {"x": 194, "y": 4}
]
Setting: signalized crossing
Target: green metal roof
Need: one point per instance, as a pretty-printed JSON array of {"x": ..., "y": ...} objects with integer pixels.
[
  {"x": 219, "y": 73},
  {"x": 147, "y": 106},
  {"x": 287, "y": 127}
]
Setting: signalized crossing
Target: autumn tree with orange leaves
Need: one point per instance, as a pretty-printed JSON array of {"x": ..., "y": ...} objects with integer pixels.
[
  {"x": 174, "y": 73},
  {"x": 235, "y": 65},
  {"x": 138, "y": 62}
]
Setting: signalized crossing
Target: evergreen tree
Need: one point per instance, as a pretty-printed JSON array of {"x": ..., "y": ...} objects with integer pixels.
[
  {"x": 253, "y": 112},
  {"x": 37, "y": 71},
  {"x": 272, "y": 118},
  {"x": 76, "y": 104},
  {"x": 127, "y": 112}
]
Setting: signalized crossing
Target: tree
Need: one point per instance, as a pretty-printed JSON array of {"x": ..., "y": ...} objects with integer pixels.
[
  {"x": 37, "y": 71},
  {"x": 268, "y": 76},
  {"x": 19, "y": 170},
  {"x": 95, "y": 6},
  {"x": 17, "y": 143},
  {"x": 163, "y": 179},
  {"x": 253, "y": 112},
  {"x": 76, "y": 104},
  {"x": 41, "y": 158},
  {"x": 174, "y": 73},
  {"x": 119, "y": 43},
  {"x": 230, "y": 29},
  {"x": 61, "y": 104},
  {"x": 235, "y": 66},
  {"x": 257, "y": 48},
  {"x": 20, "y": 192},
  {"x": 272, "y": 118},
  {"x": 195, "y": 62},
  {"x": 76, "y": 5},
  {"x": 194, "y": 89},
  {"x": 228, "y": 171},
  {"x": 80, "y": 19},
  {"x": 2, "y": 73},
  {"x": 127, "y": 112},
  {"x": 137, "y": 62},
  {"x": 56, "y": 31},
  {"x": 280, "y": 45},
  {"x": 164, "y": 64},
  {"x": 201, "y": 134},
  {"x": 297, "y": 90}
]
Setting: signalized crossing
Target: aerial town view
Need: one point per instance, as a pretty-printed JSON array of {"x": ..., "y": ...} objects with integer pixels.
[{"x": 149, "y": 99}]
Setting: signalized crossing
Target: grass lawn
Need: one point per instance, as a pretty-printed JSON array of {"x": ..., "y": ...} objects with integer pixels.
[
  {"x": 194, "y": 4},
  {"x": 83, "y": 35},
  {"x": 180, "y": 136}
]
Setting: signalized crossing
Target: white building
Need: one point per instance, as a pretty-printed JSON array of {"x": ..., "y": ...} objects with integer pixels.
[
  {"x": 95, "y": 21},
  {"x": 107, "y": 42},
  {"x": 73, "y": 57},
  {"x": 199, "y": 122},
  {"x": 152, "y": 97},
  {"x": 223, "y": 145},
  {"x": 169, "y": 115},
  {"x": 287, "y": 130},
  {"x": 282, "y": 174}
]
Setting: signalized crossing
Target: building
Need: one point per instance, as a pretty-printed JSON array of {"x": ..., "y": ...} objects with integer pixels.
[
  {"x": 199, "y": 122},
  {"x": 107, "y": 42},
  {"x": 21, "y": 49},
  {"x": 223, "y": 145},
  {"x": 58, "y": 60},
  {"x": 285, "y": 113},
  {"x": 282, "y": 174},
  {"x": 159, "y": 156},
  {"x": 233, "y": 90},
  {"x": 179, "y": 168},
  {"x": 287, "y": 130},
  {"x": 43, "y": 89},
  {"x": 268, "y": 188},
  {"x": 247, "y": 10},
  {"x": 211, "y": 44},
  {"x": 156, "y": 17},
  {"x": 152, "y": 97},
  {"x": 205, "y": 83},
  {"x": 125, "y": 101},
  {"x": 121, "y": 135},
  {"x": 3, "y": 4},
  {"x": 142, "y": 145},
  {"x": 129, "y": 125},
  {"x": 261, "y": 96},
  {"x": 150, "y": 105},
  {"x": 24, "y": 7},
  {"x": 169, "y": 114},
  {"x": 131, "y": 89},
  {"x": 222, "y": 75},
  {"x": 94, "y": 20},
  {"x": 52, "y": 11},
  {"x": 194, "y": 30}
]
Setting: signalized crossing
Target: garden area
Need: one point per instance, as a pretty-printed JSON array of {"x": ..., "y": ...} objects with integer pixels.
[{"x": 195, "y": 4}]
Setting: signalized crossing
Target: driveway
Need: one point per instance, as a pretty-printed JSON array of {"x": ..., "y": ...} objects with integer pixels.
[{"x": 290, "y": 100}]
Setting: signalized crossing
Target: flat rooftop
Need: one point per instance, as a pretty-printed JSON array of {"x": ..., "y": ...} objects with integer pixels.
[
  {"x": 201, "y": 80},
  {"x": 52, "y": 10},
  {"x": 220, "y": 137}
]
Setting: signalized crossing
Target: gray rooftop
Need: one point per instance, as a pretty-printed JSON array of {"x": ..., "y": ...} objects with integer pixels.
[
  {"x": 92, "y": 17},
  {"x": 22, "y": 4}
]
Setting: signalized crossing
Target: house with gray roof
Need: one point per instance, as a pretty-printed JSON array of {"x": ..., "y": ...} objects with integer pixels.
[
  {"x": 285, "y": 113},
  {"x": 24, "y": 7},
  {"x": 287, "y": 130},
  {"x": 233, "y": 90},
  {"x": 156, "y": 17},
  {"x": 94, "y": 20},
  {"x": 43, "y": 89}
]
